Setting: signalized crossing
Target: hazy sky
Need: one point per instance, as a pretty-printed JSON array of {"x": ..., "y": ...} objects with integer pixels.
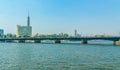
[{"x": 55, "y": 16}]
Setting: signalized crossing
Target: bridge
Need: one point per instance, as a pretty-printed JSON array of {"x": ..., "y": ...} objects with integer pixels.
[{"x": 84, "y": 40}]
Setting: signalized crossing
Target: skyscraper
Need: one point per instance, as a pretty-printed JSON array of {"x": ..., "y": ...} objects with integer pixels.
[
  {"x": 24, "y": 31},
  {"x": 1, "y": 32},
  {"x": 75, "y": 33}
]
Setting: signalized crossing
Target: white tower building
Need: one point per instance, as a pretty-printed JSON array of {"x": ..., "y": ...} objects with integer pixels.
[{"x": 24, "y": 31}]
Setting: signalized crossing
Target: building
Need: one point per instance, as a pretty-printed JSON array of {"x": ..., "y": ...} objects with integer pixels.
[
  {"x": 75, "y": 33},
  {"x": 24, "y": 31},
  {"x": 1, "y": 32}
]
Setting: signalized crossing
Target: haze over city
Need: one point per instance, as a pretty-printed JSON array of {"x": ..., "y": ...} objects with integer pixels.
[{"x": 55, "y": 16}]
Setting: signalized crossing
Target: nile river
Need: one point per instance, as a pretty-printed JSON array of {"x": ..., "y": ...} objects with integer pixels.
[{"x": 30, "y": 56}]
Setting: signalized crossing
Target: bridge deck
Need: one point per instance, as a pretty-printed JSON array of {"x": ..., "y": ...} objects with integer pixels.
[{"x": 72, "y": 38}]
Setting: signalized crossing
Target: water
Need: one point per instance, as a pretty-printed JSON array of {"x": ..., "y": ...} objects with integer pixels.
[{"x": 26, "y": 56}]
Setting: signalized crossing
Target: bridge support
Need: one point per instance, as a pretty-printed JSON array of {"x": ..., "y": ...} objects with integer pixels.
[
  {"x": 57, "y": 41},
  {"x": 117, "y": 43},
  {"x": 2, "y": 41},
  {"x": 37, "y": 41},
  {"x": 9, "y": 41},
  {"x": 21, "y": 41},
  {"x": 84, "y": 42}
]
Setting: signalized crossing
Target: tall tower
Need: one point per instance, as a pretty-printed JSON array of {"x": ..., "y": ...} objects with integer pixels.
[
  {"x": 75, "y": 33},
  {"x": 28, "y": 20}
]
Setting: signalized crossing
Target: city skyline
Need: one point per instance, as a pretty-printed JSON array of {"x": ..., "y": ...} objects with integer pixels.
[{"x": 56, "y": 16}]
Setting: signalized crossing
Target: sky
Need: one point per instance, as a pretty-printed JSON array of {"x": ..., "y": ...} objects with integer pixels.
[{"x": 55, "y": 16}]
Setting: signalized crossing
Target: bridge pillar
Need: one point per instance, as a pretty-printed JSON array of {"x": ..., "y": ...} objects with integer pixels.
[
  {"x": 21, "y": 41},
  {"x": 84, "y": 42},
  {"x": 37, "y": 41},
  {"x": 57, "y": 41},
  {"x": 2, "y": 41},
  {"x": 117, "y": 43},
  {"x": 9, "y": 41}
]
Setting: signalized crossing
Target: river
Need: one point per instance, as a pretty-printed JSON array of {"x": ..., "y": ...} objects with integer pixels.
[{"x": 30, "y": 56}]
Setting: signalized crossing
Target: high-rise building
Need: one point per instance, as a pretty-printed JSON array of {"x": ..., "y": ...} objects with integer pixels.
[
  {"x": 24, "y": 31},
  {"x": 1, "y": 32},
  {"x": 75, "y": 33}
]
